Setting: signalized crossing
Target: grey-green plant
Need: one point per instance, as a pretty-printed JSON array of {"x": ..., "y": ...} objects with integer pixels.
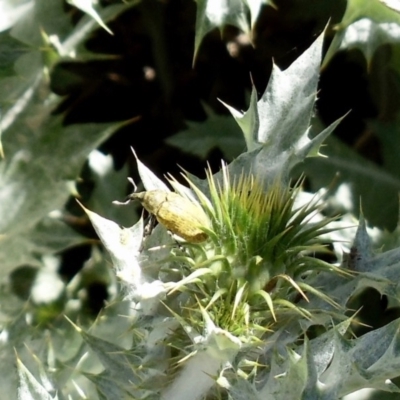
[
  {"x": 231, "y": 314},
  {"x": 251, "y": 311}
]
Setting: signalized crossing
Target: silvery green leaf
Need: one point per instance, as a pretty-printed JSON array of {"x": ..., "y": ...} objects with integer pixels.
[
  {"x": 29, "y": 388},
  {"x": 276, "y": 127},
  {"x": 149, "y": 179}
]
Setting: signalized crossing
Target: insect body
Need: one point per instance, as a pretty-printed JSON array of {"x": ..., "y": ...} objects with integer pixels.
[{"x": 177, "y": 213}]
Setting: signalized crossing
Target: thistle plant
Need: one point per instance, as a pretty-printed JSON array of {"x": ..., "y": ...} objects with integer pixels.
[
  {"x": 259, "y": 250},
  {"x": 226, "y": 297},
  {"x": 230, "y": 291},
  {"x": 210, "y": 306},
  {"x": 225, "y": 300}
]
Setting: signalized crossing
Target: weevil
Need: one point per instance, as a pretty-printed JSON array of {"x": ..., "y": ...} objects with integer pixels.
[{"x": 177, "y": 213}]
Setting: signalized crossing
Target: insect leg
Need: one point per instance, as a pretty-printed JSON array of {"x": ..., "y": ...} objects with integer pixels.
[{"x": 149, "y": 226}]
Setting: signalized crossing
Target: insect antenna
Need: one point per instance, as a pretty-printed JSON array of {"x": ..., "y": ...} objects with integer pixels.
[{"x": 128, "y": 198}]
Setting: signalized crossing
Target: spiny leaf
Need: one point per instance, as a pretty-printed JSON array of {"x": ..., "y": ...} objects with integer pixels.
[
  {"x": 366, "y": 26},
  {"x": 87, "y": 7},
  {"x": 213, "y": 14},
  {"x": 275, "y": 144},
  {"x": 29, "y": 388}
]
